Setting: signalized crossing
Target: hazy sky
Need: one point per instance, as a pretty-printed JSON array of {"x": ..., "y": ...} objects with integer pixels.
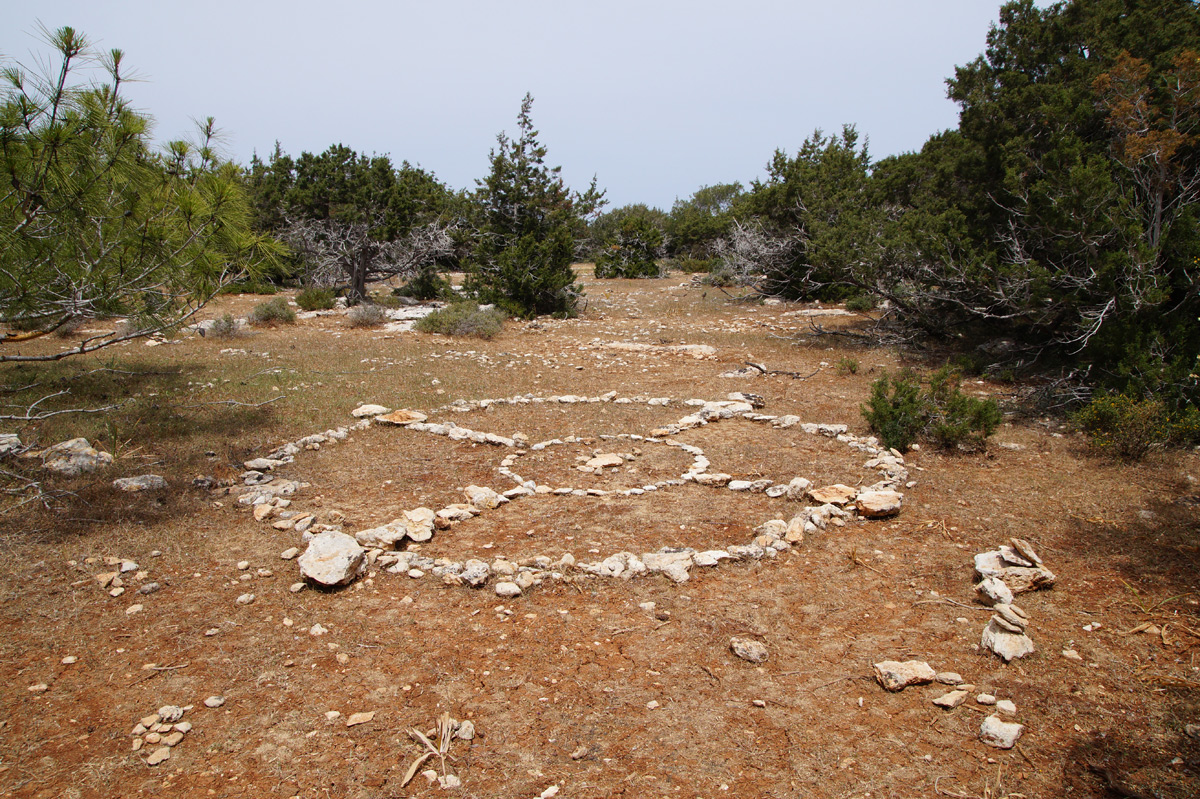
[{"x": 654, "y": 98}]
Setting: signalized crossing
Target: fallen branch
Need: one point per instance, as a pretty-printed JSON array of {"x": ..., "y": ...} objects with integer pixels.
[{"x": 234, "y": 403}]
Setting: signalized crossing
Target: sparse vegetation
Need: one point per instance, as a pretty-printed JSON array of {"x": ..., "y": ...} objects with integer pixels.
[
  {"x": 314, "y": 299},
  {"x": 901, "y": 411},
  {"x": 224, "y": 326},
  {"x": 1130, "y": 428},
  {"x": 846, "y": 366},
  {"x": 272, "y": 312},
  {"x": 861, "y": 303},
  {"x": 366, "y": 314},
  {"x": 464, "y": 319}
]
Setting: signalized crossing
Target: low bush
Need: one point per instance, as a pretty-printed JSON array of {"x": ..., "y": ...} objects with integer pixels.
[
  {"x": 1129, "y": 428},
  {"x": 427, "y": 285},
  {"x": 273, "y": 311},
  {"x": 366, "y": 314},
  {"x": 315, "y": 299},
  {"x": 696, "y": 265},
  {"x": 464, "y": 319},
  {"x": 249, "y": 287},
  {"x": 720, "y": 275},
  {"x": 861, "y": 303},
  {"x": 901, "y": 410},
  {"x": 224, "y": 326},
  {"x": 846, "y": 366}
]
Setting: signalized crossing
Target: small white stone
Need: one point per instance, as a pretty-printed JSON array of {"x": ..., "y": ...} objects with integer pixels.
[{"x": 246, "y": 599}]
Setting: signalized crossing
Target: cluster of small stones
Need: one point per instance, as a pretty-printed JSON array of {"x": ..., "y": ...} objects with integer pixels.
[
  {"x": 1009, "y": 570},
  {"x": 994, "y": 731},
  {"x": 163, "y": 731},
  {"x": 122, "y": 575},
  {"x": 335, "y": 558}
]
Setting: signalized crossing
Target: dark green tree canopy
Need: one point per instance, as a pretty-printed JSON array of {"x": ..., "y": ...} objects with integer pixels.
[{"x": 529, "y": 222}]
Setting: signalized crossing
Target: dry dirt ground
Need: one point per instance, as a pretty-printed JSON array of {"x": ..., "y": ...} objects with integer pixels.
[{"x": 579, "y": 686}]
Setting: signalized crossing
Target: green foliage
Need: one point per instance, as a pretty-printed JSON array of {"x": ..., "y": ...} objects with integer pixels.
[
  {"x": 1128, "y": 428},
  {"x": 1062, "y": 212},
  {"x": 427, "y": 285},
  {"x": 605, "y": 228},
  {"x": 351, "y": 217},
  {"x": 529, "y": 221},
  {"x": 695, "y": 265},
  {"x": 818, "y": 207},
  {"x": 312, "y": 299},
  {"x": 366, "y": 314},
  {"x": 632, "y": 251},
  {"x": 959, "y": 421},
  {"x": 860, "y": 303},
  {"x": 720, "y": 276},
  {"x": 463, "y": 319},
  {"x": 695, "y": 224},
  {"x": 846, "y": 366},
  {"x": 273, "y": 311},
  {"x": 96, "y": 223},
  {"x": 897, "y": 411},
  {"x": 901, "y": 411}
]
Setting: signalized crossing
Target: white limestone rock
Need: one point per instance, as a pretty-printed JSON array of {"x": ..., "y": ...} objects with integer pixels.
[
  {"x": 368, "y": 410},
  {"x": 332, "y": 558},
  {"x": 749, "y": 650},
  {"x": 896, "y": 676},
  {"x": 1001, "y": 734},
  {"x": 1001, "y": 639},
  {"x": 75, "y": 457},
  {"x": 144, "y": 482},
  {"x": 878, "y": 504}
]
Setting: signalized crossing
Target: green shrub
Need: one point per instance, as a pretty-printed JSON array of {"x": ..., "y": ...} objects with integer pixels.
[
  {"x": 249, "y": 287},
  {"x": 271, "y": 312},
  {"x": 1129, "y": 428},
  {"x": 463, "y": 319},
  {"x": 959, "y": 421},
  {"x": 224, "y": 326},
  {"x": 720, "y": 275},
  {"x": 366, "y": 314},
  {"x": 897, "y": 410},
  {"x": 632, "y": 250},
  {"x": 861, "y": 303},
  {"x": 426, "y": 285},
  {"x": 900, "y": 411},
  {"x": 696, "y": 265},
  {"x": 846, "y": 366},
  {"x": 315, "y": 299}
]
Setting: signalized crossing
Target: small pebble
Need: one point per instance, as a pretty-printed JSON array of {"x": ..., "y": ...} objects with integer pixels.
[
  {"x": 132, "y": 609},
  {"x": 214, "y": 701},
  {"x": 243, "y": 565},
  {"x": 69, "y": 659},
  {"x": 246, "y": 599},
  {"x": 986, "y": 699},
  {"x": 1007, "y": 706}
]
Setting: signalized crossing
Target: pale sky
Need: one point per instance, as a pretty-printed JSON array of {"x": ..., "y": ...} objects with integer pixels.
[{"x": 655, "y": 98}]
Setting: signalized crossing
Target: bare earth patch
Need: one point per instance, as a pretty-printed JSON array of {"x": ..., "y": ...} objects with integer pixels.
[{"x": 602, "y": 687}]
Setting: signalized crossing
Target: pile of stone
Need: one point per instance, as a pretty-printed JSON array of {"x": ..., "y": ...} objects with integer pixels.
[
  {"x": 895, "y": 676},
  {"x": 1009, "y": 570},
  {"x": 162, "y": 731}
]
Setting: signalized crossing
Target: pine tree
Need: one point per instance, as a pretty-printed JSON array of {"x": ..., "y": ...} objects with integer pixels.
[{"x": 530, "y": 219}]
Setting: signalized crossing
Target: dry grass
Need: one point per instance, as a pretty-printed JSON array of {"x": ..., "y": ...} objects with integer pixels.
[{"x": 573, "y": 664}]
